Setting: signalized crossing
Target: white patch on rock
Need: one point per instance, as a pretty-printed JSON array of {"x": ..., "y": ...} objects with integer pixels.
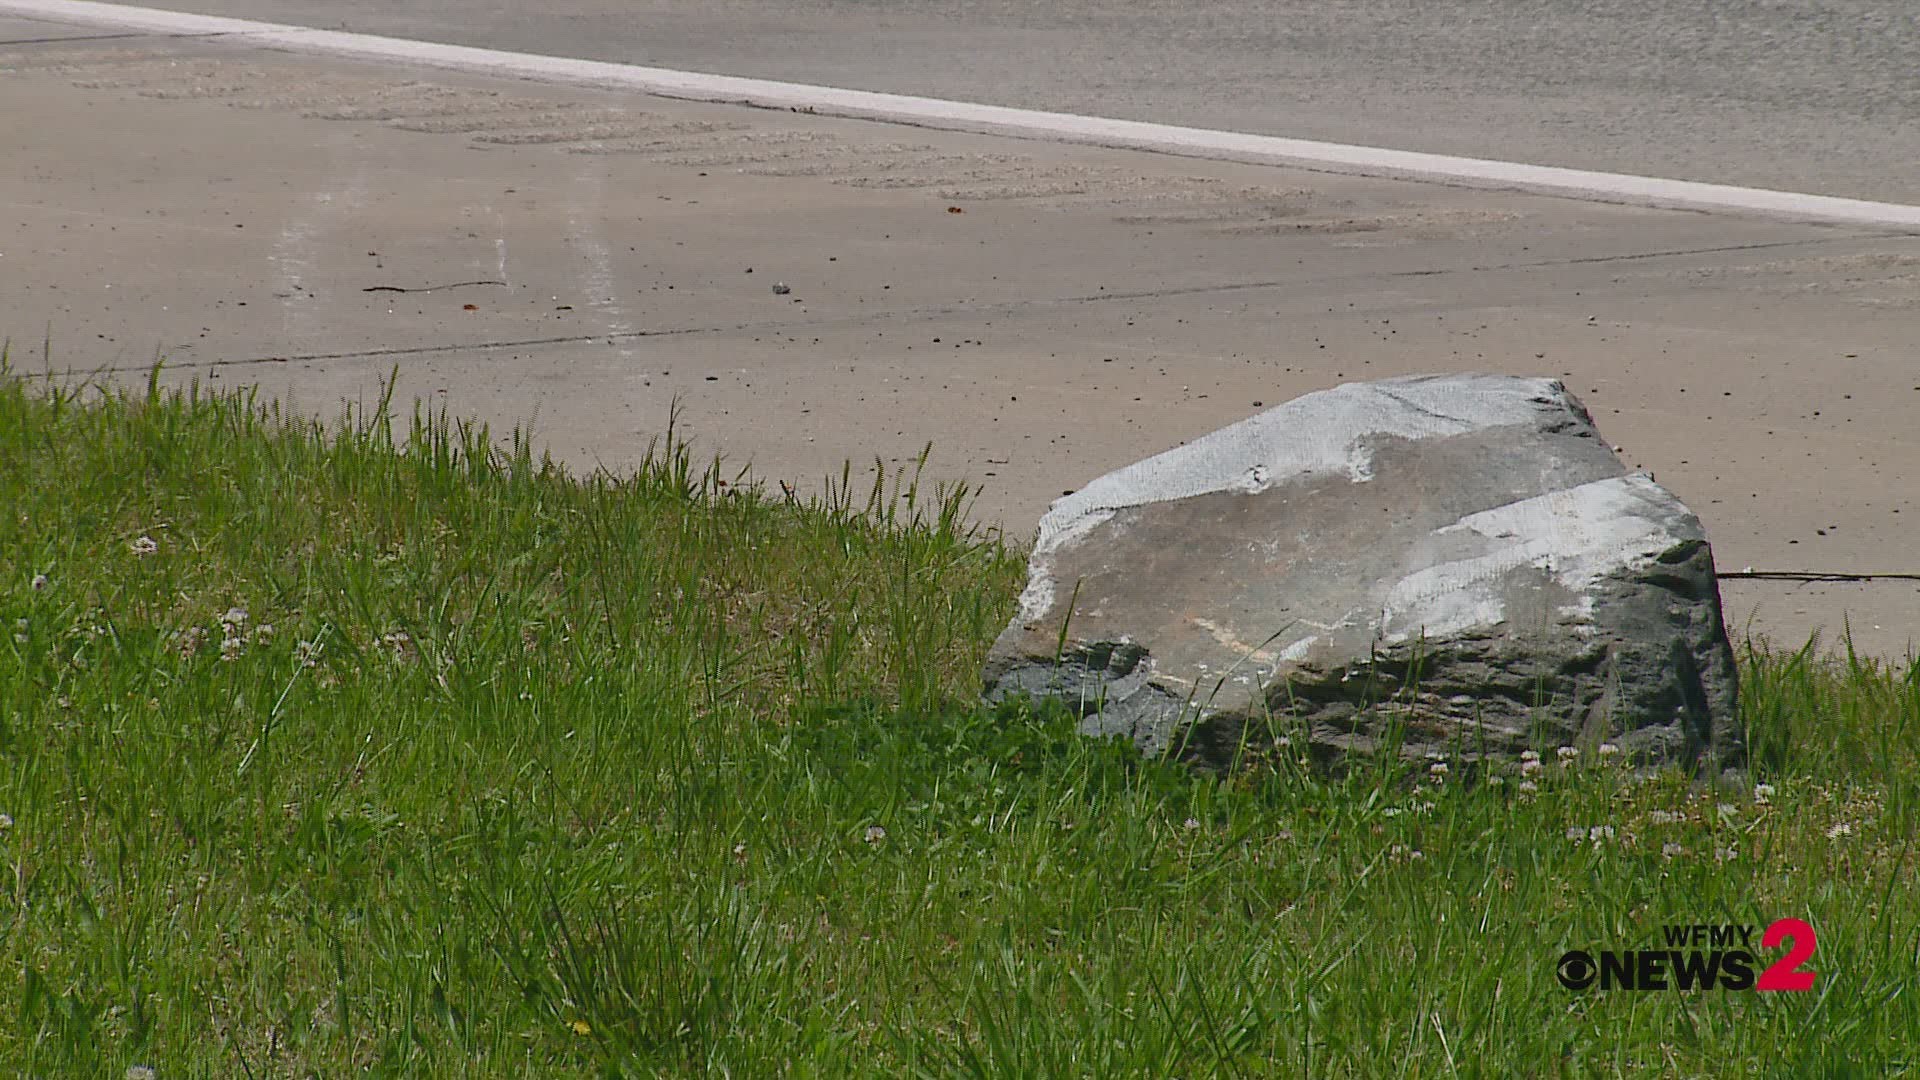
[
  {"x": 1577, "y": 536},
  {"x": 1037, "y": 598}
]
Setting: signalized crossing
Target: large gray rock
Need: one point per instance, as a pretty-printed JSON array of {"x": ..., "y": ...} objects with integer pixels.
[{"x": 1452, "y": 565}]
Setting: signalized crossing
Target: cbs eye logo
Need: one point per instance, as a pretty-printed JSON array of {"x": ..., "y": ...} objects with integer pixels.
[
  {"x": 1577, "y": 970},
  {"x": 1697, "y": 957}
]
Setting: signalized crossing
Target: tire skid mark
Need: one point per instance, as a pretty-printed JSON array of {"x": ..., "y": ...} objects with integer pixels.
[
  {"x": 760, "y": 147},
  {"x": 581, "y": 133}
]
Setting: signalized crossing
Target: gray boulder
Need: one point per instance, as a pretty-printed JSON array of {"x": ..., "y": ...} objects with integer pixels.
[{"x": 1448, "y": 565}]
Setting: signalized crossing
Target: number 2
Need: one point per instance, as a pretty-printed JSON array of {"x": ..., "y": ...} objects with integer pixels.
[{"x": 1782, "y": 974}]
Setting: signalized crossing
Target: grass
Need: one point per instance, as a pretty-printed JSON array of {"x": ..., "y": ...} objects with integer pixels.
[{"x": 320, "y": 756}]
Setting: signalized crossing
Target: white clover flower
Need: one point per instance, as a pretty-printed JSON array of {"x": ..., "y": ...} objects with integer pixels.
[
  {"x": 140, "y": 1072},
  {"x": 874, "y": 834},
  {"x": 1762, "y": 792},
  {"x": 234, "y": 616},
  {"x": 1672, "y": 850},
  {"x": 1576, "y": 834},
  {"x": 1600, "y": 832},
  {"x": 1528, "y": 768},
  {"x": 1496, "y": 781},
  {"x": 1839, "y": 829},
  {"x": 231, "y": 648},
  {"x": 1529, "y": 755},
  {"x": 1191, "y": 823},
  {"x": 39, "y": 582},
  {"x": 1283, "y": 742},
  {"x": 1437, "y": 770},
  {"x": 1403, "y": 853},
  {"x": 1527, "y": 787},
  {"x": 1419, "y": 807},
  {"x": 307, "y": 653},
  {"x": 1725, "y": 854},
  {"x": 1392, "y": 811},
  {"x": 146, "y": 545},
  {"x": 6, "y": 822},
  {"x": 1567, "y": 753},
  {"x": 1665, "y": 817},
  {"x": 1728, "y": 810},
  {"x": 1607, "y": 749}
]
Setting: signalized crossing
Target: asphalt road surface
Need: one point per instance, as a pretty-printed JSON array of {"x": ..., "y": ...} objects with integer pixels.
[{"x": 1819, "y": 96}]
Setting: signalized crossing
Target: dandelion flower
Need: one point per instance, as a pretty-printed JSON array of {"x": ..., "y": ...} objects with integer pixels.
[{"x": 581, "y": 1027}]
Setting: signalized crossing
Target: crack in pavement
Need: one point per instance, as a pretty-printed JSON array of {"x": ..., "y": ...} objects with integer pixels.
[
  {"x": 69, "y": 38},
  {"x": 156, "y": 36},
  {"x": 1195, "y": 290},
  {"x": 997, "y": 307},
  {"x": 397, "y": 350}
]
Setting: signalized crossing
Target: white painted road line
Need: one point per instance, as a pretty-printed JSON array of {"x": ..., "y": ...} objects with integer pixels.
[{"x": 998, "y": 120}]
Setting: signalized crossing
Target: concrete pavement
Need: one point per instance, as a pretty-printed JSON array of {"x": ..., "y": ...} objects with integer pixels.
[
  {"x": 592, "y": 256},
  {"x": 1805, "y": 95}
]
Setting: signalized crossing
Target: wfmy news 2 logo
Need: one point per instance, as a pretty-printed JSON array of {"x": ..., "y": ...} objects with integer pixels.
[{"x": 1698, "y": 957}]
